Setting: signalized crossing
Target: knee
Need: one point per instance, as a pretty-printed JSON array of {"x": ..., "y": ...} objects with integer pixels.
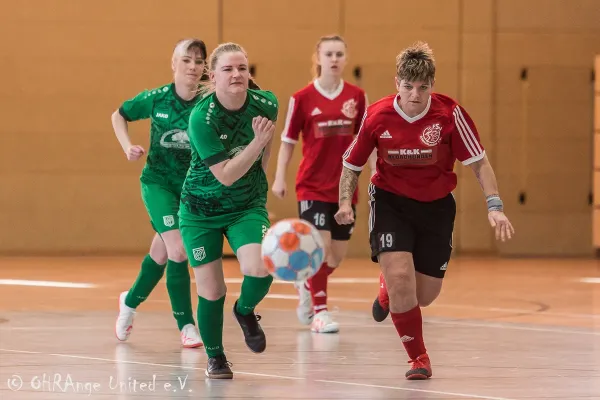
[
  {"x": 177, "y": 253},
  {"x": 400, "y": 278},
  {"x": 159, "y": 257},
  {"x": 211, "y": 293},
  {"x": 255, "y": 268},
  {"x": 399, "y": 287}
]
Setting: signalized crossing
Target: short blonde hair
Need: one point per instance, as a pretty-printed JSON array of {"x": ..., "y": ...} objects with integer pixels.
[
  {"x": 416, "y": 63},
  {"x": 183, "y": 46}
]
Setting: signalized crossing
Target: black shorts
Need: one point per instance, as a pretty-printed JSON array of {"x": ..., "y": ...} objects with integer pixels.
[
  {"x": 321, "y": 215},
  {"x": 424, "y": 229}
]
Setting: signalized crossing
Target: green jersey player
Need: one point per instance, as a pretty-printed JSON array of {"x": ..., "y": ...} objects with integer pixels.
[
  {"x": 225, "y": 194},
  {"x": 168, "y": 108}
]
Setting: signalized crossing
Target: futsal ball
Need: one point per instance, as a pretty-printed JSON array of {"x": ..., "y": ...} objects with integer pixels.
[{"x": 293, "y": 250}]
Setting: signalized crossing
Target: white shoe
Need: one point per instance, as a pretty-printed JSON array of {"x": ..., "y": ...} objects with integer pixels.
[
  {"x": 190, "y": 338},
  {"x": 322, "y": 323},
  {"x": 124, "y": 323},
  {"x": 304, "y": 311}
]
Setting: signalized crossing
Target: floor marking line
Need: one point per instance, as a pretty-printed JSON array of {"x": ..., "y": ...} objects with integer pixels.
[
  {"x": 144, "y": 363},
  {"x": 366, "y": 385},
  {"x": 25, "y": 282},
  {"x": 471, "y": 396},
  {"x": 589, "y": 280}
]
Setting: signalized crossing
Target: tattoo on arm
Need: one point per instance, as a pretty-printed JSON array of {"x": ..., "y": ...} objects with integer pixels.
[
  {"x": 478, "y": 176},
  {"x": 348, "y": 183}
]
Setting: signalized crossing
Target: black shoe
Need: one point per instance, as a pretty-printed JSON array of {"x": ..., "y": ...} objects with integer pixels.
[
  {"x": 379, "y": 313},
  {"x": 253, "y": 333},
  {"x": 219, "y": 368}
]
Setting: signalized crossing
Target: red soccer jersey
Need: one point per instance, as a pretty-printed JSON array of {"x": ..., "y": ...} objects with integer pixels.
[
  {"x": 328, "y": 122},
  {"x": 416, "y": 156}
]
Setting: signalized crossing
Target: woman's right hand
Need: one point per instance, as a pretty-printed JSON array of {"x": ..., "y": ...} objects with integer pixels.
[
  {"x": 279, "y": 188},
  {"x": 134, "y": 152},
  {"x": 263, "y": 130}
]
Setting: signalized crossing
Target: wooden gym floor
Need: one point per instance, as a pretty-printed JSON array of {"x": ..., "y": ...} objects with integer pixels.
[{"x": 502, "y": 329}]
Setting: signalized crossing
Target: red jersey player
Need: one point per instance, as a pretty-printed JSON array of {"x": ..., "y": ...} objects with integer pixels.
[
  {"x": 418, "y": 136},
  {"x": 328, "y": 112}
]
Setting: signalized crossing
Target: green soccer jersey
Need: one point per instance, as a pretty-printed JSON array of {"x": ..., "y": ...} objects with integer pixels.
[
  {"x": 169, "y": 154},
  {"x": 217, "y": 134}
]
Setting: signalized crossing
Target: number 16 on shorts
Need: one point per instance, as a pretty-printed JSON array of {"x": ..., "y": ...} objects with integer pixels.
[{"x": 387, "y": 240}]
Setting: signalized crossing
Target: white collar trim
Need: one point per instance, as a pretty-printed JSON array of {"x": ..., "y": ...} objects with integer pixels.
[
  {"x": 329, "y": 95},
  {"x": 406, "y": 117}
]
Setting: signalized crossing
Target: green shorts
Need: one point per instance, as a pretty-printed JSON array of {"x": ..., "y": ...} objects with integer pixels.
[
  {"x": 162, "y": 205},
  {"x": 203, "y": 238}
]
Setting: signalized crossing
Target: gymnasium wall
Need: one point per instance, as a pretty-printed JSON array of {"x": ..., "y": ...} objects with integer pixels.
[{"x": 522, "y": 69}]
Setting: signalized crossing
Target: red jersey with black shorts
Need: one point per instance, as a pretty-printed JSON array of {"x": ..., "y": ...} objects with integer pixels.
[
  {"x": 328, "y": 123},
  {"x": 411, "y": 204}
]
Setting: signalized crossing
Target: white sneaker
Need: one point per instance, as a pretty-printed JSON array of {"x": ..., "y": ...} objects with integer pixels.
[
  {"x": 190, "y": 338},
  {"x": 322, "y": 323},
  {"x": 304, "y": 311},
  {"x": 124, "y": 323}
]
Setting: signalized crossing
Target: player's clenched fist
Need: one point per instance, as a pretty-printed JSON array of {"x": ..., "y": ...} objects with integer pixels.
[
  {"x": 345, "y": 215},
  {"x": 134, "y": 152},
  {"x": 263, "y": 129}
]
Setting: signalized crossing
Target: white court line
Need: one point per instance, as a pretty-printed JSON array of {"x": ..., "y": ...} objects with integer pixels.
[
  {"x": 451, "y": 306},
  {"x": 590, "y": 280},
  {"x": 142, "y": 363},
  {"x": 22, "y": 282},
  {"x": 471, "y": 396},
  {"x": 25, "y": 282},
  {"x": 488, "y": 325},
  {"x": 73, "y": 285},
  {"x": 366, "y": 385}
]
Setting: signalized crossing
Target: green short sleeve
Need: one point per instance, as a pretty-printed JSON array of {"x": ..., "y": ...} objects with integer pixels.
[{"x": 204, "y": 136}]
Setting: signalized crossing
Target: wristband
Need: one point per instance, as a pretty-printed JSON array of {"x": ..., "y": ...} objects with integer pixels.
[{"x": 494, "y": 203}]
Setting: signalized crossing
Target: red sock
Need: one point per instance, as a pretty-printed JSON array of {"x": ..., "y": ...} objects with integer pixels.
[
  {"x": 383, "y": 296},
  {"x": 318, "y": 288},
  {"x": 409, "y": 326}
]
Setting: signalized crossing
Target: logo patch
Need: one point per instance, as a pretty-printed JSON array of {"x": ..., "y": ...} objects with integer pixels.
[
  {"x": 199, "y": 253},
  {"x": 169, "y": 220},
  {"x": 175, "y": 139},
  {"x": 349, "y": 108},
  {"x": 410, "y": 156},
  {"x": 432, "y": 135}
]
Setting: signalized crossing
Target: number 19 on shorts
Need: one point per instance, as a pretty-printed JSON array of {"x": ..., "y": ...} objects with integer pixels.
[{"x": 386, "y": 240}]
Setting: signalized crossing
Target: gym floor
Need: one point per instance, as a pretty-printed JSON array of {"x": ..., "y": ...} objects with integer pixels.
[{"x": 501, "y": 329}]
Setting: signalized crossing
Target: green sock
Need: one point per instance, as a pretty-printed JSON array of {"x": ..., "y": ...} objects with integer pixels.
[
  {"x": 210, "y": 324},
  {"x": 179, "y": 288},
  {"x": 253, "y": 291},
  {"x": 149, "y": 276}
]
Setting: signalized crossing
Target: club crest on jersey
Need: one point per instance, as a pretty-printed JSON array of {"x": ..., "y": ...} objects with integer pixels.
[
  {"x": 432, "y": 135},
  {"x": 349, "y": 108},
  {"x": 175, "y": 139}
]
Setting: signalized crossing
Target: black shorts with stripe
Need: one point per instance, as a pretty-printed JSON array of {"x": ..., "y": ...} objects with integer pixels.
[
  {"x": 398, "y": 223},
  {"x": 321, "y": 215}
]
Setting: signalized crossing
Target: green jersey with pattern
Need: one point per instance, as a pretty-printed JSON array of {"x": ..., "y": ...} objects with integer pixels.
[
  {"x": 217, "y": 134},
  {"x": 169, "y": 154}
]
